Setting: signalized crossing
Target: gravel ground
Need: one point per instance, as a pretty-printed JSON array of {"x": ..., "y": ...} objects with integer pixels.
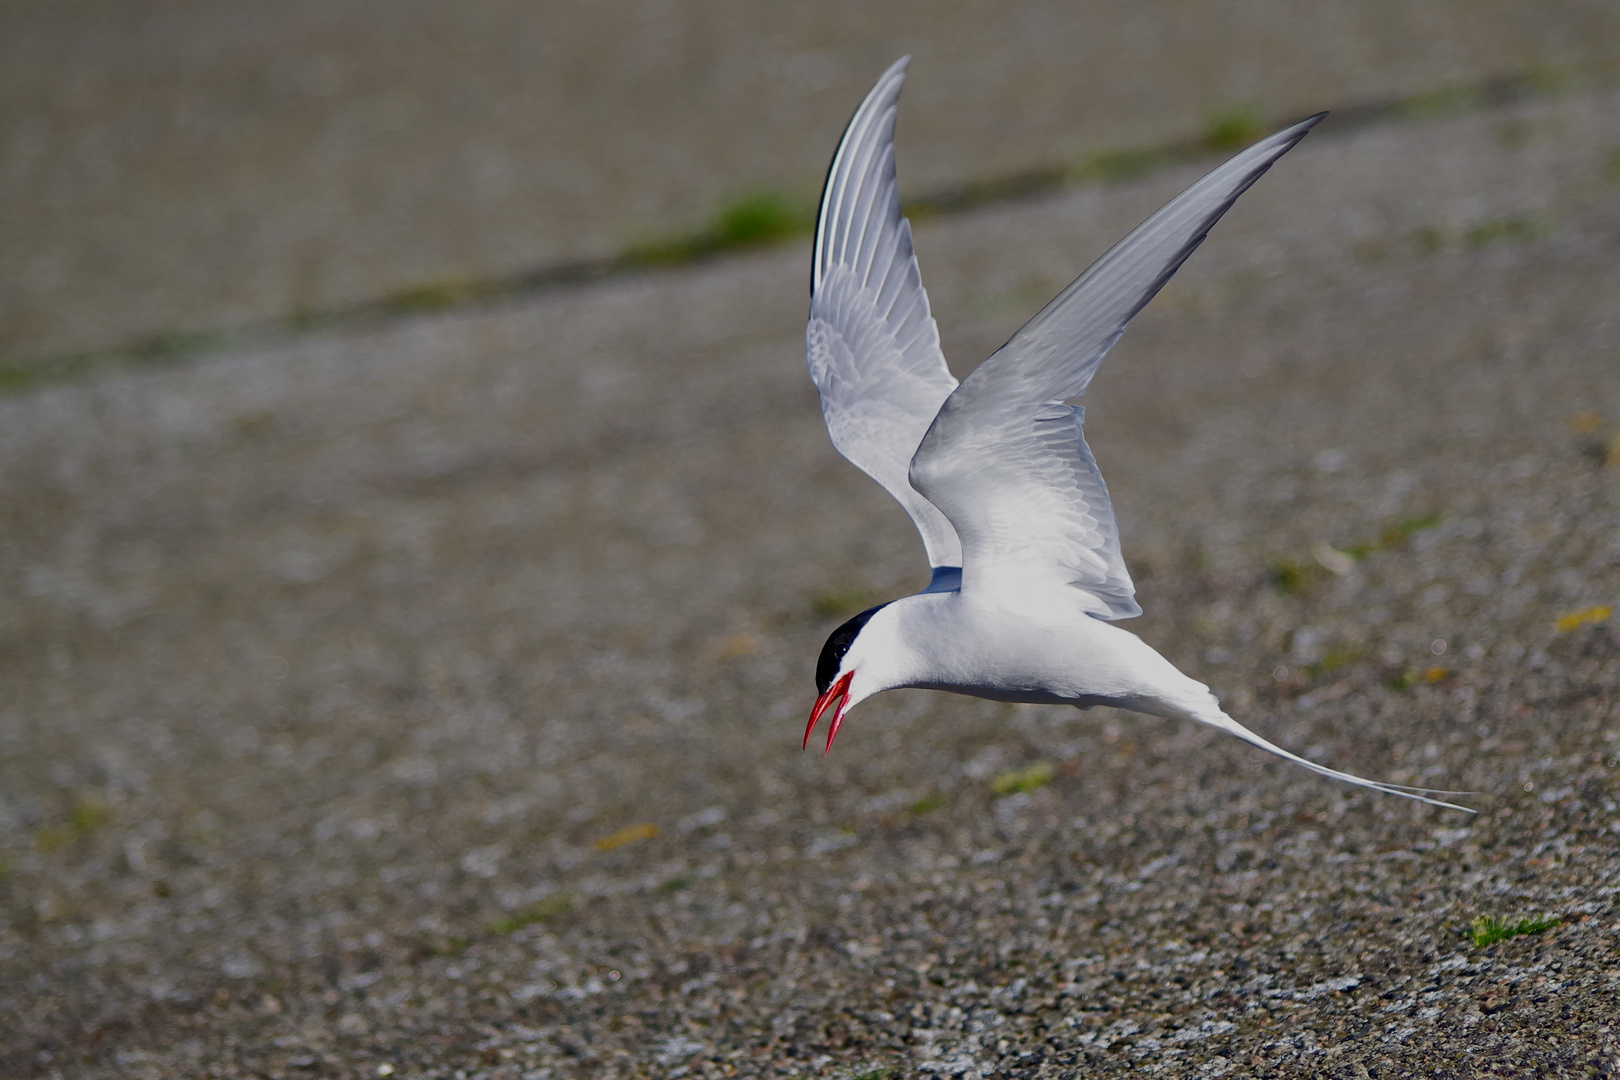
[{"x": 423, "y": 699}]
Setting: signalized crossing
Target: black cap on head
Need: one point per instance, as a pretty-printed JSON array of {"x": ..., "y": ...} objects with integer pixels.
[{"x": 832, "y": 653}]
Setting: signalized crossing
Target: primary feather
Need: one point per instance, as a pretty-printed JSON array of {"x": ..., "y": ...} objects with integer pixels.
[
  {"x": 872, "y": 345},
  {"x": 1006, "y": 459}
]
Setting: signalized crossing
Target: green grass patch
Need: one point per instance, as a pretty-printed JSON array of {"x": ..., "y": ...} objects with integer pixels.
[
  {"x": 1234, "y": 127},
  {"x": 1444, "y": 102},
  {"x": 677, "y": 883},
  {"x": 751, "y": 221},
  {"x": 1395, "y": 536},
  {"x": 1002, "y": 189},
  {"x": 1432, "y": 239},
  {"x": 158, "y": 350},
  {"x": 1335, "y": 660},
  {"x": 87, "y": 817},
  {"x": 1014, "y": 781},
  {"x": 1119, "y": 165},
  {"x": 1506, "y": 229},
  {"x": 1293, "y": 576},
  {"x": 1429, "y": 239},
  {"x": 1488, "y": 929},
  {"x": 544, "y": 911},
  {"x": 927, "y": 804},
  {"x": 433, "y": 296},
  {"x": 84, "y": 819},
  {"x": 762, "y": 218},
  {"x": 1413, "y": 676}
]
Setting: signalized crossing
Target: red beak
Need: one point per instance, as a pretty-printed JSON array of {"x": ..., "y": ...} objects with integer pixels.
[{"x": 838, "y": 692}]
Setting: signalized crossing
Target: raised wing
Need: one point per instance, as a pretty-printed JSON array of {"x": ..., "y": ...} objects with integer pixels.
[
  {"x": 872, "y": 345},
  {"x": 1005, "y": 459}
]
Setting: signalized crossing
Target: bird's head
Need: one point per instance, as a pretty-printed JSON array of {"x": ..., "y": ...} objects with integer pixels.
[{"x": 846, "y": 651}]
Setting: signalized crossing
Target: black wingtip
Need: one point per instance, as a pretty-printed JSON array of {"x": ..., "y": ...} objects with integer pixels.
[
  {"x": 1304, "y": 127},
  {"x": 1283, "y": 139},
  {"x": 1307, "y": 125},
  {"x": 898, "y": 67}
]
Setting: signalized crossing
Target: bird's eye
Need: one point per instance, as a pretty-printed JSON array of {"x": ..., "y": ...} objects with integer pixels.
[{"x": 837, "y": 646}]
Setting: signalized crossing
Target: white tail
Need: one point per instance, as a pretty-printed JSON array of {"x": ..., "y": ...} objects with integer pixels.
[{"x": 1213, "y": 716}]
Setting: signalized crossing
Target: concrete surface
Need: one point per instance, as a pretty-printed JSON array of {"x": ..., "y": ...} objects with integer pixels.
[
  {"x": 170, "y": 167},
  {"x": 423, "y": 699}
]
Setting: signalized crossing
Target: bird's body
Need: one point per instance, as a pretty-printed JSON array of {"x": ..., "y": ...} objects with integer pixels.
[
  {"x": 1050, "y": 651},
  {"x": 1028, "y": 574}
]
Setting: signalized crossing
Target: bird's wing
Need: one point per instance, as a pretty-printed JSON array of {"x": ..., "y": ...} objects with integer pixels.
[
  {"x": 1005, "y": 459},
  {"x": 872, "y": 345}
]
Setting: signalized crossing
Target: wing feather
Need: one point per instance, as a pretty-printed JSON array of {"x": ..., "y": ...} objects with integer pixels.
[
  {"x": 871, "y": 343},
  {"x": 1006, "y": 460}
]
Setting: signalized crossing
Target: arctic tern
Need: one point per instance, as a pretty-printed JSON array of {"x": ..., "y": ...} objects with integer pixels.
[{"x": 1028, "y": 579}]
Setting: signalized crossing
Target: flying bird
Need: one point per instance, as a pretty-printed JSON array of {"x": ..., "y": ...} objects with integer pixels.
[{"x": 1028, "y": 580}]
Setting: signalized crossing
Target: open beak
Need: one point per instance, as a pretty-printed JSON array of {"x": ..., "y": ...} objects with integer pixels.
[{"x": 839, "y": 692}]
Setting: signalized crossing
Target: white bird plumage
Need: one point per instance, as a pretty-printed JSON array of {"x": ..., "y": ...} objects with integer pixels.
[
  {"x": 995, "y": 472},
  {"x": 872, "y": 344}
]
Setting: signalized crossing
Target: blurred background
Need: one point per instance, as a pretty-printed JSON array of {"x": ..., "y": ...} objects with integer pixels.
[
  {"x": 417, "y": 529},
  {"x": 172, "y": 169}
]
